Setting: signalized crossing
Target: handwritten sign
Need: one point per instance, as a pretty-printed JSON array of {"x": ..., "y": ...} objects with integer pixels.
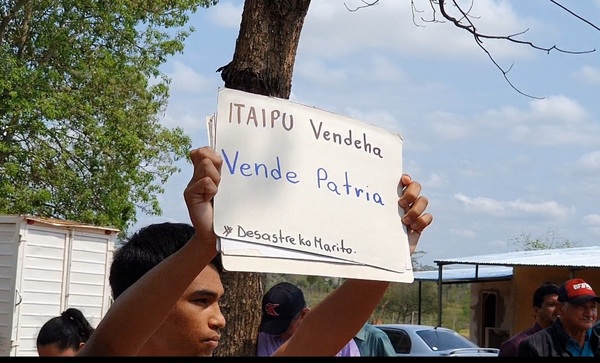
[{"x": 300, "y": 180}]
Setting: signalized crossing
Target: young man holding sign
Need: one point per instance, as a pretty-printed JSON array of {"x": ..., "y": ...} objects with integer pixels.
[{"x": 183, "y": 289}]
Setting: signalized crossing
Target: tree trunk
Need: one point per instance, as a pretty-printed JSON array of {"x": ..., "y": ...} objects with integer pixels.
[
  {"x": 263, "y": 63},
  {"x": 265, "y": 51}
]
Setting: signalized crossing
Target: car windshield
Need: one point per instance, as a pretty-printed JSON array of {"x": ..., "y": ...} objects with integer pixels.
[{"x": 439, "y": 339}]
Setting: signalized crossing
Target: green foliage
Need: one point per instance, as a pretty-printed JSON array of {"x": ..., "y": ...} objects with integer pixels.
[
  {"x": 81, "y": 95},
  {"x": 400, "y": 304},
  {"x": 551, "y": 239},
  {"x": 315, "y": 288}
]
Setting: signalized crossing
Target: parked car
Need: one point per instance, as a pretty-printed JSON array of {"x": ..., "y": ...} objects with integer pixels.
[{"x": 425, "y": 340}]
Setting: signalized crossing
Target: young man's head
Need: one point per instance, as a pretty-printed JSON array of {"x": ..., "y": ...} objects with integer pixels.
[
  {"x": 544, "y": 304},
  {"x": 283, "y": 308},
  {"x": 145, "y": 249},
  {"x": 192, "y": 328},
  {"x": 578, "y": 305}
]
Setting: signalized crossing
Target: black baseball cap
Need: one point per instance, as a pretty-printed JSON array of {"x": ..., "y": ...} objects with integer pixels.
[{"x": 280, "y": 305}]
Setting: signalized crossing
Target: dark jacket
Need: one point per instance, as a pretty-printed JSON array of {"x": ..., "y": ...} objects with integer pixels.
[{"x": 552, "y": 342}]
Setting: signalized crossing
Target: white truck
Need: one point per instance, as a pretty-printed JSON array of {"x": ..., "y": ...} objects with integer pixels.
[{"x": 47, "y": 266}]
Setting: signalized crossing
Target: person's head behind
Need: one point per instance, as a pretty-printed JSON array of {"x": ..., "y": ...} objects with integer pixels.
[
  {"x": 578, "y": 308},
  {"x": 544, "y": 304},
  {"x": 283, "y": 308},
  {"x": 147, "y": 248},
  {"x": 193, "y": 326},
  {"x": 64, "y": 335}
]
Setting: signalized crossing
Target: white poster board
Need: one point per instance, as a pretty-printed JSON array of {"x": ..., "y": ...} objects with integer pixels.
[{"x": 307, "y": 191}]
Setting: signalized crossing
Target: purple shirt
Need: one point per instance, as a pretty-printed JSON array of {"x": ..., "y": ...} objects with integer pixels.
[
  {"x": 510, "y": 348},
  {"x": 268, "y": 344}
]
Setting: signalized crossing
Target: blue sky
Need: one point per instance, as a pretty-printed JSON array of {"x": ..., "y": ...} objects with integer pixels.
[{"x": 494, "y": 164}]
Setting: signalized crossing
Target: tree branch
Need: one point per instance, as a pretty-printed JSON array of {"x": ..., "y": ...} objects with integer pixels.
[{"x": 465, "y": 23}]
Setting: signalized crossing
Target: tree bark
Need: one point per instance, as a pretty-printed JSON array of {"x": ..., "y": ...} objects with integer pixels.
[
  {"x": 263, "y": 63},
  {"x": 265, "y": 51}
]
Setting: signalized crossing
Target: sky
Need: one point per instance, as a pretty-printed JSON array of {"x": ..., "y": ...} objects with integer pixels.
[{"x": 495, "y": 164}]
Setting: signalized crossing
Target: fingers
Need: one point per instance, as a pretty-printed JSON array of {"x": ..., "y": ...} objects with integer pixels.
[
  {"x": 420, "y": 223},
  {"x": 414, "y": 205},
  {"x": 207, "y": 164},
  {"x": 201, "y": 189},
  {"x": 410, "y": 193}
]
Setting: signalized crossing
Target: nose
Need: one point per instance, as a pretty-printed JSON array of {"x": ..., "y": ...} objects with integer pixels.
[{"x": 217, "y": 320}]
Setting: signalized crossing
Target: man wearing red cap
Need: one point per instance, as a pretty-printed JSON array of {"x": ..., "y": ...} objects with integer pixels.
[{"x": 572, "y": 334}]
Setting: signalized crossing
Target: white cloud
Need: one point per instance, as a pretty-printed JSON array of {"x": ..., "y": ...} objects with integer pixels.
[
  {"x": 226, "y": 14},
  {"x": 589, "y": 162},
  {"x": 186, "y": 79},
  {"x": 550, "y": 209},
  {"x": 318, "y": 72},
  {"x": 393, "y": 26},
  {"x": 556, "y": 120},
  {"x": 191, "y": 121},
  {"x": 435, "y": 181},
  {"x": 449, "y": 126},
  {"x": 588, "y": 74},
  {"x": 466, "y": 233},
  {"x": 592, "y": 220}
]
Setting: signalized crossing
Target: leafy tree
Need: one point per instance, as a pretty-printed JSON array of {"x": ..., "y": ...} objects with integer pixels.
[
  {"x": 551, "y": 239},
  {"x": 400, "y": 302},
  {"x": 80, "y": 102}
]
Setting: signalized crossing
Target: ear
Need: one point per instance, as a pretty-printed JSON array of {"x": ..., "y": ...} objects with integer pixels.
[
  {"x": 81, "y": 345},
  {"x": 305, "y": 311}
]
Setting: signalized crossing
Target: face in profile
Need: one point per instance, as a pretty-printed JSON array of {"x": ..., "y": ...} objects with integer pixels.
[
  {"x": 548, "y": 312},
  {"x": 193, "y": 328}
]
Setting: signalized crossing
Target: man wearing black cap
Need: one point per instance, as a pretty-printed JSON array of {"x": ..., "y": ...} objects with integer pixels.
[
  {"x": 283, "y": 308},
  {"x": 571, "y": 335}
]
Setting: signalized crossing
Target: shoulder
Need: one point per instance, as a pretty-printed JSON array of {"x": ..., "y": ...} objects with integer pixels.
[
  {"x": 350, "y": 350},
  {"x": 538, "y": 336},
  {"x": 516, "y": 339}
]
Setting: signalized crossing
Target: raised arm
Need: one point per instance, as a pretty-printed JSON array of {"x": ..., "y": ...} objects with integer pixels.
[
  {"x": 141, "y": 309},
  {"x": 337, "y": 318}
]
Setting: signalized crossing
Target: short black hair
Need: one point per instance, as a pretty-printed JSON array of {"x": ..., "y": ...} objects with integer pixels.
[
  {"x": 147, "y": 248},
  {"x": 547, "y": 288},
  {"x": 68, "y": 330}
]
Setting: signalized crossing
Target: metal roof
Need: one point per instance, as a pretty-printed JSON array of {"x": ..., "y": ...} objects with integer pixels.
[
  {"x": 468, "y": 274},
  {"x": 579, "y": 257},
  {"x": 30, "y": 219}
]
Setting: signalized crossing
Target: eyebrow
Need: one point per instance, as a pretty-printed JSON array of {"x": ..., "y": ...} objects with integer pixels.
[{"x": 205, "y": 292}]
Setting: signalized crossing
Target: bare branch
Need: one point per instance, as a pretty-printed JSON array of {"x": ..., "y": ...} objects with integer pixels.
[
  {"x": 366, "y": 5},
  {"x": 505, "y": 72},
  {"x": 470, "y": 27},
  {"x": 511, "y": 38},
  {"x": 465, "y": 22},
  {"x": 575, "y": 15}
]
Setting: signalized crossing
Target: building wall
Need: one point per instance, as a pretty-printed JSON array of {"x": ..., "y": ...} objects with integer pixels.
[
  {"x": 527, "y": 279},
  {"x": 513, "y": 300},
  {"x": 498, "y": 294}
]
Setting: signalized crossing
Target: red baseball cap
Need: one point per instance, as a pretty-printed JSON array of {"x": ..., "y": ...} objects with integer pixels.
[{"x": 577, "y": 292}]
